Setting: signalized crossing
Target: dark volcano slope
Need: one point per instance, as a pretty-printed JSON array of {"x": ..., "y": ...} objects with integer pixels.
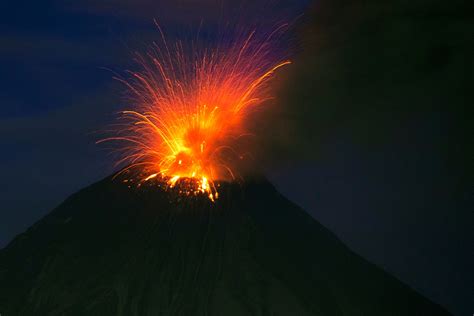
[{"x": 112, "y": 250}]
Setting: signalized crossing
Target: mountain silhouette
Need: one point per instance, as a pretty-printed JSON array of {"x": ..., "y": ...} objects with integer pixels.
[{"x": 111, "y": 249}]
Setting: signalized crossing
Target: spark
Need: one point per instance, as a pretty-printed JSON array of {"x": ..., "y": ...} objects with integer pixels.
[{"x": 151, "y": 176}]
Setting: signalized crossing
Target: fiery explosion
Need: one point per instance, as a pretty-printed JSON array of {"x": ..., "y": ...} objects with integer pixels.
[{"x": 189, "y": 110}]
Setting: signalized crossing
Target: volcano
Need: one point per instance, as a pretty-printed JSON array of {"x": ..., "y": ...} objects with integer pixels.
[{"x": 111, "y": 249}]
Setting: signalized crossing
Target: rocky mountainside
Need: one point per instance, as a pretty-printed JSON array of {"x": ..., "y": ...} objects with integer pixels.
[{"x": 114, "y": 250}]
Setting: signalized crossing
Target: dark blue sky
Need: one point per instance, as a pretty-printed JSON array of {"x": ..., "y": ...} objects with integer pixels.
[{"x": 389, "y": 180}]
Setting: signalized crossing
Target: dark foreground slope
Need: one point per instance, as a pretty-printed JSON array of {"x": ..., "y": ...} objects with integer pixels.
[{"x": 112, "y": 250}]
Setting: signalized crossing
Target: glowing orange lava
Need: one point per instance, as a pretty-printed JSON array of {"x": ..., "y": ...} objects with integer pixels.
[{"x": 190, "y": 108}]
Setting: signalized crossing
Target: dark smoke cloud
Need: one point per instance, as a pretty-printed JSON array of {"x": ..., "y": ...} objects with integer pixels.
[{"x": 365, "y": 68}]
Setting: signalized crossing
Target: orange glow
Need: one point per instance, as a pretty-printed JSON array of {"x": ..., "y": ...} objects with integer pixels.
[{"x": 188, "y": 110}]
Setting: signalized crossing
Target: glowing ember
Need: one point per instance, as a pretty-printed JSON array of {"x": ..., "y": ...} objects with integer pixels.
[{"x": 191, "y": 108}]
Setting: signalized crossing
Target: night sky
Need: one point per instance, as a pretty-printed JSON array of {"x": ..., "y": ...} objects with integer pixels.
[{"x": 371, "y": 127}]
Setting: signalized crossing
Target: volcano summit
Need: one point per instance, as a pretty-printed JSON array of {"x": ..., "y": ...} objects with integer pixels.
[{"x": 114, "y": 250}]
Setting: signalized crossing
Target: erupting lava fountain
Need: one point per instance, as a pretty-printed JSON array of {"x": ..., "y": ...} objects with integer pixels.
[{"x": 189, "y": 110}]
